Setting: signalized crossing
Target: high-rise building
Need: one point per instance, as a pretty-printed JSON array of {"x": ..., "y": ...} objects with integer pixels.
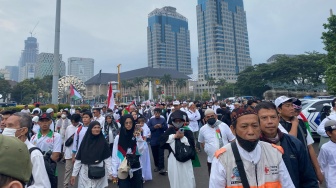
[
  {"x": 223, "y": 45},
  {"x": 82, "y": 68},
  {"x": 13, "y": 73},
  {"x": 168, "y": 40},
  {"x": 28, "y": 59},
  {"x": 44, "y": 65}
]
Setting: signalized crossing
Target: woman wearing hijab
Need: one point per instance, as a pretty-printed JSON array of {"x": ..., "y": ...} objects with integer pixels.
[
  {"x": 111, "y": 129},
  {"x": 128, "y": 144},
  {"x": 93, "y": 151}
]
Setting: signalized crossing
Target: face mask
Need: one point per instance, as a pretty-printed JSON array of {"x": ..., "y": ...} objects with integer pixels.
[
  {"x": 178, "y": 125},
  {"x": 247, "y": 145},
  {"x": 211, "y": 121},
  {"x": 9, "y": 132},
  {"x": 63, "y": 116}
]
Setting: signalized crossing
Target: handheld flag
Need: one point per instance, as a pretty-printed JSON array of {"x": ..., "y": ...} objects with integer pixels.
[
  {"x": 74, "y": 93},
  {"x": 110, "y": 97}
]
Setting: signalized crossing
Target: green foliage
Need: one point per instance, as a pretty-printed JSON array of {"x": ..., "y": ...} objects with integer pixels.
[
  {"x": 5, "y": 88},
  {"x": 205, "y": 96},
  {"x": 305, "y": 69},
  {"x": 329, "y": 40},
  {"x": 28, "y": 90}
]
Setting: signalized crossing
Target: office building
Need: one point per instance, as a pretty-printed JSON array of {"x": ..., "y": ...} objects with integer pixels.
[
  {"x": 45, "y": 65},
  {"x": 223, "y": 45},
  {"x": 13, "y": 73},
  {"x": 28, "y": 59},
  {"x": 168, "y": 40},
  {"x": 82, "y": 68}
]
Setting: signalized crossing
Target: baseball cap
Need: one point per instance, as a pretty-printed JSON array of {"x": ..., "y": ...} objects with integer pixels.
[
  {"x": 49, "y": 110},
  {"x": 45, "y": 116},
  {"x": 178, "y": 114},
  {"x": 14, "y": 158},
  {"x": 281, "y": 100},
  {"x": 176, "y": 103},
  {"x": 330, "y": 125}
]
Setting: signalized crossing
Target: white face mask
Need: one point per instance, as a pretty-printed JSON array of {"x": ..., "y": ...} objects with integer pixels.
[
  {"x": 63, "y": 116},
  {"x": 9, "y": 132}
]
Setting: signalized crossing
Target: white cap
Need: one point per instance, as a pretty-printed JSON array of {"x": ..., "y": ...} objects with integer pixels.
[
  {"x": 184, "y": 102},
  {"x": 281, "y": 100},
  {"x": 35, "y": 119},
  {"x": 191, "y": 103},
  {"x": 176, "y": 103},
  {"x": 49, "y": 110}
]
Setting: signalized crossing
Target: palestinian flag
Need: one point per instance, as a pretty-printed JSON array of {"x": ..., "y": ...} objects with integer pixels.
[
  {"x": 305, "y": 120},
  {"x": 74, "y": 93}
]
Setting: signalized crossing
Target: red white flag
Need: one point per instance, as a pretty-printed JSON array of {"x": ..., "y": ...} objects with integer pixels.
[{"x": 110, "y": 97}]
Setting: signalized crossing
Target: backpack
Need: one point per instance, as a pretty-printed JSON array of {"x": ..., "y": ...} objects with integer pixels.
[
  {"x": 183, "y": 152},
  {"x": 50, "y": 166}
]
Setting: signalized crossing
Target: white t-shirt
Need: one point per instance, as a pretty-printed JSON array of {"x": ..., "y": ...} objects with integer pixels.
[
  {"x": 70, "y": 130},
  {"x": 208, "y": 136},
  {"x": 101, "y": 120},
  {"x": 327, "y": 162},
  {"x": 50, "y": 142},
  {"x": 25, "y": 111},
  {"x": 39, "y": 172}
]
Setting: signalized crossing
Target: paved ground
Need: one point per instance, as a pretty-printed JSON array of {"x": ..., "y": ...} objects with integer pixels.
[{"x": 201, "y": 175}]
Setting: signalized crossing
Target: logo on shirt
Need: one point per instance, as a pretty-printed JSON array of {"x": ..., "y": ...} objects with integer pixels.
[
  {"x": 235, "y": 178},
  {"x": 271, "y": 170}
]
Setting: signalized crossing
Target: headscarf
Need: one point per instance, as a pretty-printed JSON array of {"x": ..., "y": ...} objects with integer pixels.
[
  {"x": 126, "y": 138},
  {"x": 93, "y": 149}
]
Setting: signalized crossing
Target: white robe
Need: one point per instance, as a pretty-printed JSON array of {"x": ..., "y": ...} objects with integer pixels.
[
  {"x": 145, "y": 157},
  {"x": 84, "y": 181},
  {"x": 181, "y": 175}
]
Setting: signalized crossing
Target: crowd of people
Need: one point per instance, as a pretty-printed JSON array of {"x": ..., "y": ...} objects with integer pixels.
[{"x": 248, "y": 144}]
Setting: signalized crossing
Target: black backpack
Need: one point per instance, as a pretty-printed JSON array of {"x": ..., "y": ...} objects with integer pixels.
[
  {"x": 50, "y": 166},
  {"x": 183, "y": 152}
]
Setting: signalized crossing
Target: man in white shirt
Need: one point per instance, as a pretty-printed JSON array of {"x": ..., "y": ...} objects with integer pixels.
[
  {"x": 70, "y": 132},
  {"x": 98, "y": 117},
  {"x": 184, "y": 107},
  {"x": 80, "y": 132},
  {"x": 194, "y": 116},
  {"x": 320, "y": 130},
  {"x": 25, "y": 109},
  {"x": 261, "y": 163},
  {"x": 20, "y": 123},
  {"x": 37, "y": 108},
  {"x": 213, "y": 135}
]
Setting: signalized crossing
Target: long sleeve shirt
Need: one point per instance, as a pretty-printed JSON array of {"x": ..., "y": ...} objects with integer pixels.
[
  {"x": 156, "y": 133},
  {"x": 193, "y": 120},
  {"x": 327, "y": 162}
]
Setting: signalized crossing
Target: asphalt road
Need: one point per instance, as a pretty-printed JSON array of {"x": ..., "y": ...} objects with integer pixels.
[{"x": 201, "y": 174}]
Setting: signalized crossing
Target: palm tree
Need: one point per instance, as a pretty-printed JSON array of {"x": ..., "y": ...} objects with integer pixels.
[
  {"x": 221, "y": 82},
  {"x": 181, "y": 83},
  {"x": 166, "y": 80},
  {"x": 138, "y": 82},
  {"x": 210, "y": 82}
]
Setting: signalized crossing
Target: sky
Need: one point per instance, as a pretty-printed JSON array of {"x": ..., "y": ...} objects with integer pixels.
[{"x": 115, "y": 32}]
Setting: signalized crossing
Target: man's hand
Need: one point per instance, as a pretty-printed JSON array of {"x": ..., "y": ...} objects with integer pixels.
[
  {"x": 295, "y": 121},
  {"x": 157, "y": 126},
  {"x": 73, "y": 159},
  {"x": 114, "y": 180},
  {"x": 179, "y": 134},
  {"x": 72, "y": 180}
]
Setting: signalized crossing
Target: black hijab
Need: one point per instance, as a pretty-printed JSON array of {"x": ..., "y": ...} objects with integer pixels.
[
  {"x": 126, "y": 138},
  {"x": 93, "y": 149}
]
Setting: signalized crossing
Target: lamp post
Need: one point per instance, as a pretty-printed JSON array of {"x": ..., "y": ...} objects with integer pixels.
[{"x": 56, "y": 54}]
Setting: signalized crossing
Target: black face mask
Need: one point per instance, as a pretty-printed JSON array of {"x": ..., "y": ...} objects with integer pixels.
[
  {"x": 247, "y": 145},
  {"x": 211, "y": 121}
]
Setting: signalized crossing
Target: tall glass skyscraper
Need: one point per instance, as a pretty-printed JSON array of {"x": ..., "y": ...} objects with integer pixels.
[
  {"x": 83, "y": 68},
  {"x": 223, "y": 44},
  {"x": 28, "y": 59},
  {"x": 44, "y": 65},
  {"x": 168, "y": 40}
]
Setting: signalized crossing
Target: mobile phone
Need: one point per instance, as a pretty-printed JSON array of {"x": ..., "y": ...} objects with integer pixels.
[{"x": 181, "y": 130}]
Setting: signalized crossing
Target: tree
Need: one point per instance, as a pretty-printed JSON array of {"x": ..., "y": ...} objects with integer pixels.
[
  {"x": 5, "y": 88},
  {"x": 138, "y": 82},
  {"x": 329, "y": 40},
  {"x": 205, "y": 96},
  {"x": 181, "y": 83},
  {"x": 210, "y": 82},
  {"x": 166, "y": 80}
]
